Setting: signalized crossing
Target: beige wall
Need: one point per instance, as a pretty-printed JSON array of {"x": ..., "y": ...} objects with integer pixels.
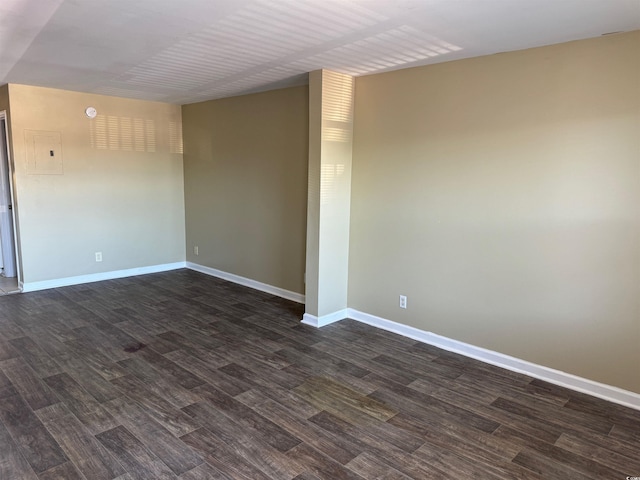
[
  {"x": 121, "y": 191},
  {"x": 502, "y": 195},
  {"x": 246, "y": 185},
  {"x": 4, "y": 97},
  {"x": 314, "y": 179}
]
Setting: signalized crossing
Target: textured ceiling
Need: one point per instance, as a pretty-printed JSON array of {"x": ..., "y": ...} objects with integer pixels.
[{"x": 184, "y": 51}]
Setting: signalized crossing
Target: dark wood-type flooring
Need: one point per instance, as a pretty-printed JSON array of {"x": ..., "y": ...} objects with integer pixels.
[{"x": 180, "y": 375}]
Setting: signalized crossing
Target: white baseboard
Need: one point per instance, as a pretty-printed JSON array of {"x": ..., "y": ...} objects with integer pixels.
[
  {"x": 563, "y": 379},
  {"x": 98, "y": 277},
  {"x": 324, "y": 320},
  {"x": 247, "y": 282}
]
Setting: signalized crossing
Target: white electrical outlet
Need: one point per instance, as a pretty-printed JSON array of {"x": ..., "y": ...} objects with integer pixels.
[
  {"x": 98, "y": 256},
  {"x": 195, "y": 250},
  {"x": 403, "y": 301}
]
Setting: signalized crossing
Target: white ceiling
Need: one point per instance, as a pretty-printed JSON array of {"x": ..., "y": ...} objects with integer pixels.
[{"x": 184, "y": 51}]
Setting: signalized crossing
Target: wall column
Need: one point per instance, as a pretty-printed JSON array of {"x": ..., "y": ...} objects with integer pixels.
[{"x": 329, "y": 196}]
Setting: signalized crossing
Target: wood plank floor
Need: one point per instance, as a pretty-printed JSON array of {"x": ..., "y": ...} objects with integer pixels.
[{"x": 180, "y": 375}]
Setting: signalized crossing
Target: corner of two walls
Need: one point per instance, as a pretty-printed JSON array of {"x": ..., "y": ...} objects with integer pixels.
[
  {"x": 118, "y": 191},
  {"x": 246, "y": 161},
  {"x": 329, "y": 198}
]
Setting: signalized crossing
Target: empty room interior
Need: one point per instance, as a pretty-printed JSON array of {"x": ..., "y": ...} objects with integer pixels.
[{"x": 339, "y": 239}]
